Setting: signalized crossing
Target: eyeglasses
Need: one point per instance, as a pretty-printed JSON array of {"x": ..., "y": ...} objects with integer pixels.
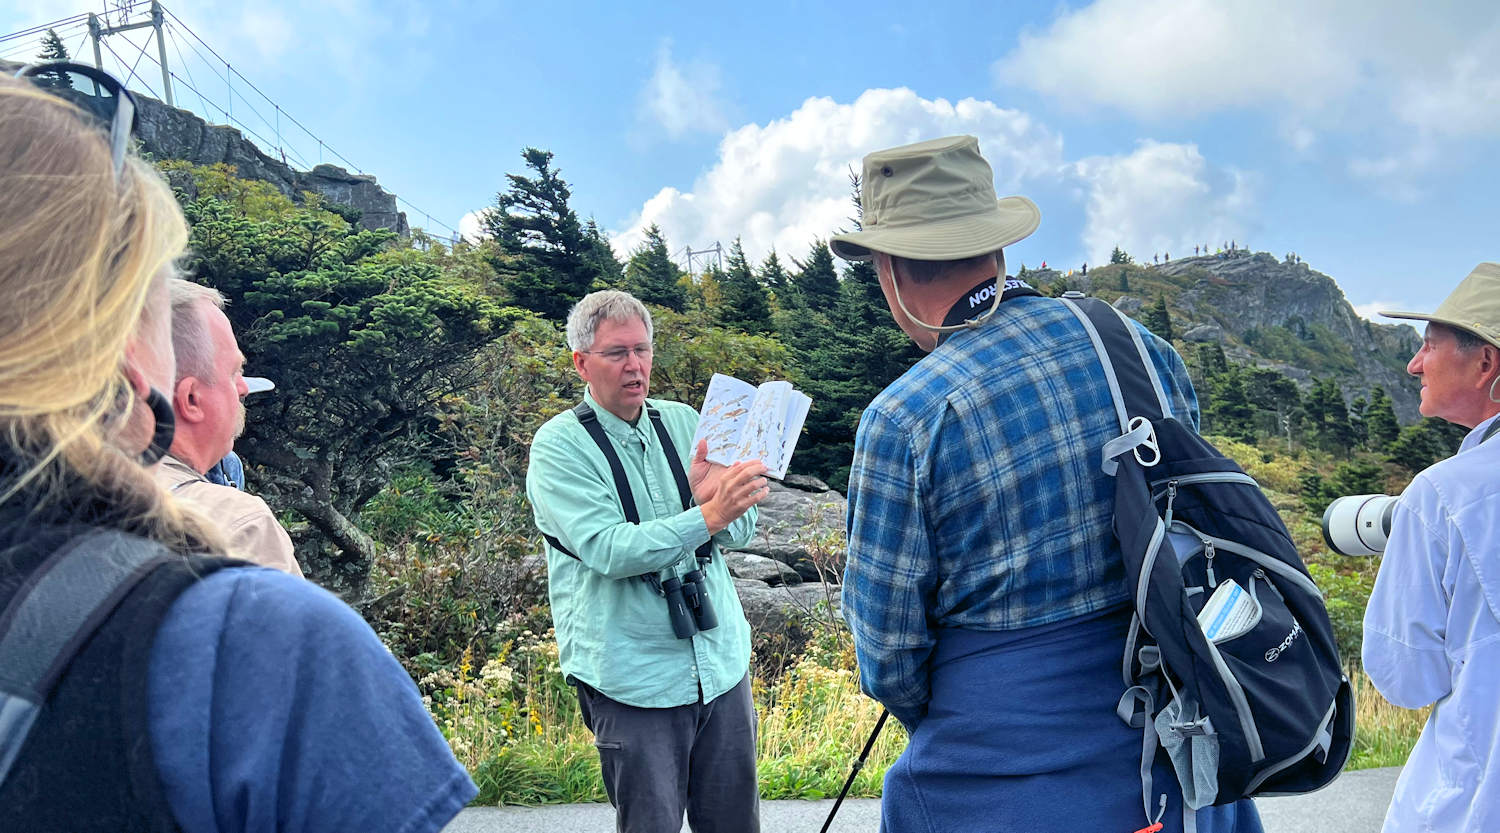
[
  {"x": 110, "y": 102},
  {"x": 618, "y": 354}
]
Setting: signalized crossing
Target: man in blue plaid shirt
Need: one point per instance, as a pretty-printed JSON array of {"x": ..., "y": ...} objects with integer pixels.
[{"x": 984, "y": 588}]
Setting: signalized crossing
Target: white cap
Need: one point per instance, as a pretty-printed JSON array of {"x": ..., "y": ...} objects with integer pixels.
[{"x": 258, "y": 384}]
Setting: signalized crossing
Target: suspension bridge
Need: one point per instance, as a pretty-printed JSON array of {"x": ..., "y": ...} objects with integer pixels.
[{"x": 224, "y": 95}]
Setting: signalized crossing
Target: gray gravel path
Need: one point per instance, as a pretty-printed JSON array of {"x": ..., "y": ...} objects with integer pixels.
[{"x": 1355, "y": 803}]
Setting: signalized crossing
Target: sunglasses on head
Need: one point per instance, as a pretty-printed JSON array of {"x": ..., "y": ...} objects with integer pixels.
[{"x": 94, "y": 90}]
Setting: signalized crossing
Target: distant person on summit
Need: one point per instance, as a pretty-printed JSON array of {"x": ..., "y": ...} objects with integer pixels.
[
  {"x": 984, "y": 587},
  {"x": 1432, "y": 627}
]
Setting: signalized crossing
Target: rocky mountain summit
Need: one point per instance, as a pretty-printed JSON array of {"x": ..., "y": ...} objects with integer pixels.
[{"x": 1274, "y": 313}]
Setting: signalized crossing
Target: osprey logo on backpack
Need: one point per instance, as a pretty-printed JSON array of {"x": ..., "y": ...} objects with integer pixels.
[
  {"x": 1233, "y": 718},
  {"x": 1275, "y": 653}
]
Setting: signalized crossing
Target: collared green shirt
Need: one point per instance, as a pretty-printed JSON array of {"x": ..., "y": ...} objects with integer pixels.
[{"x": 612, "y": 628}]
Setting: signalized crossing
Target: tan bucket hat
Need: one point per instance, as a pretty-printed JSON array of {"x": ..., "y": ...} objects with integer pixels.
[
  {"x": 1473, "y": 306},
  {"x": 934, "y": 200}
]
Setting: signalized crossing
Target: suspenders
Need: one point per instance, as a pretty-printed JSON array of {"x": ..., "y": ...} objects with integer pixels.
[{"x": 590, "y": 422}]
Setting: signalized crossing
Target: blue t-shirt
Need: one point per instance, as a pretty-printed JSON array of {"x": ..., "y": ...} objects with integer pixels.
[{"x": 274, "y": 707}]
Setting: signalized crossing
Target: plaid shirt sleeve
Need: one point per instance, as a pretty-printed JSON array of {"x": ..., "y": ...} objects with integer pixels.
[{"x": 890, "y": 580}]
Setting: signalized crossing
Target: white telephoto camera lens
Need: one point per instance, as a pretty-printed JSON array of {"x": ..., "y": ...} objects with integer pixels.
[{"x": 1358, "y": 524}]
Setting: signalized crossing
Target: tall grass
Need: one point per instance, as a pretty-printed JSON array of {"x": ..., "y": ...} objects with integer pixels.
[
  {"x": 1384, "y": 734},
  {"x": 515, "y": 724}
]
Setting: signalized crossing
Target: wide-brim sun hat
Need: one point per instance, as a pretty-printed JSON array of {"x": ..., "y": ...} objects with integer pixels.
[
  {"x": 1474, "y": 305},
  {"x": 934, "y": 200}
]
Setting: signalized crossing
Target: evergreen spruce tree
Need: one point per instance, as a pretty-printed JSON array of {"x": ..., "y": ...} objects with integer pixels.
[
  {"x": 1425, "y": 443},
  {"x": 53, "y": 49},
  {"x": 1328, "y": 416},
  {"x": 816, "y": 283},
  {"x": 601, "y": 256},
  {"x": 1357, "y": 411},
  {"x": 553, "y": 264},
  {"x": 1158, "y": 320},
  {"x": 1212, "y": 360},
  {"x": 652, "y": 276},
  {"x": 1381, "y": 427},
  {"x": 773, "y": 276},
  {"x": 1119, "y": 256},
  {"x": 1229, "y": 411},
  {"x": 744, "y": 305}
]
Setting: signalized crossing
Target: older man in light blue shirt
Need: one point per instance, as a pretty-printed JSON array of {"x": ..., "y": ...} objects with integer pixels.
[
  {"x": 670, "y": 709},
  {"x": 1432, "y": 629}
]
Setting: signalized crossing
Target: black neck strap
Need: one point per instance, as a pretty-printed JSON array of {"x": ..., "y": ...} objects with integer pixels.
[
  {"x": 1491, "y": 431},
  {"x": 590, "y": 422},
  {"x": 978, "y": 300}
]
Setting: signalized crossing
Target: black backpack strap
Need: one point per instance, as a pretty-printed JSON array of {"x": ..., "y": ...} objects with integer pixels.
[
  {"x": 1134, "y": 385},
  {"x": 684, "y": 491},
  {"x": 590, "y": 422},
  {"x": 52, "y": 616}
]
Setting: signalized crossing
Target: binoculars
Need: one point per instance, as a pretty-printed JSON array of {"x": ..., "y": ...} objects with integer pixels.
[{"x": 688, "y": 605}]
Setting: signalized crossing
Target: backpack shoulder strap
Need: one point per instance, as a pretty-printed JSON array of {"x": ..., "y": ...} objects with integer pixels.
[
  {"x": 590, "y": 422},
  {"x": 54, "y": 613},
  {"x": 1134, "y": 385},
  {"x": 684, "y": 491},
  {"x": 1128, "y": 366}
]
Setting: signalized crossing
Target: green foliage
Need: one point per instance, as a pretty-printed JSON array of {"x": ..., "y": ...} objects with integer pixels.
[
  {"x": 743, "y": 304},
  {"x": 1229, "y": 411},
  {"x": 364, "y": 338},
  {"x": 553, "y": 263},
  {"x": 1119, "y": 256},
  {"x": 652, "y": 276},
  {"x": 773, "y": 276},
  {"x": 846, "y": 355},
  {"x": 1381, "y": 428},
  {"x": 1419, "y": 446},
  {"x": 690, "y": 350},
  {"x": 1158, "y": 320},
  {"x": 1327, "y": 417},
  {"x": 53, "y": 49},
  {"x": 1310, "y": 346},
  {"x": 816, "y": 284}
]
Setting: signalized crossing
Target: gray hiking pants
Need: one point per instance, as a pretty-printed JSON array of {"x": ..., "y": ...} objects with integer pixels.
[{"x": 658, "y": 763}]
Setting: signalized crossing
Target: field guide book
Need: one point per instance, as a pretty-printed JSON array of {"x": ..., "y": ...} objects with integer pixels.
[{"x": 745, "y": 422}]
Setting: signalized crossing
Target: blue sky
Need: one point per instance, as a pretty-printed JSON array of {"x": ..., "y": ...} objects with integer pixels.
[{"x": 1359, "y": 134}]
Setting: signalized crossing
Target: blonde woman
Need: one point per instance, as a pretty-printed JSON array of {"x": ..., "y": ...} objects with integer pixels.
[{"x": 210, "y": 695}]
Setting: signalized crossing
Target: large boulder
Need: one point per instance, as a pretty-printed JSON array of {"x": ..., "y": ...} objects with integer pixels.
[
  {"x": 779, "y": 609},
  {"x": 802, "y": 528},
  {"x": 760, "y": 568}
]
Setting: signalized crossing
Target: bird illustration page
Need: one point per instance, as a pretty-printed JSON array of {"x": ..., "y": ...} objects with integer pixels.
[{"x": 745, "y": 422}]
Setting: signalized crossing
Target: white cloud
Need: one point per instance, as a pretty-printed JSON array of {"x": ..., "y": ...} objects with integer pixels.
[
  {"x": 470, "y": 227},
  {"x": 682, "y": 99},
  {"x": 1170, "y": 58},
  {"x": 1162, "y": 198},
  {"x": 1383, "y": 72},
  {"x": 1371, "y": 311},
  {"x": 786, "y": 183}
]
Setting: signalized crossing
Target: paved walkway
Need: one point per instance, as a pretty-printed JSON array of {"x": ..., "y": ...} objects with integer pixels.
[{"x": 1355, "y": 803}]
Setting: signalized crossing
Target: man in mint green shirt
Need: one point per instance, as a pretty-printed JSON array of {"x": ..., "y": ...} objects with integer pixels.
[{"x": 671, "y": 715}]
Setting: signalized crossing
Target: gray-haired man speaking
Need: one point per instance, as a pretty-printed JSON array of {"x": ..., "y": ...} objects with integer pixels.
[{"x": 649, "y": 628}]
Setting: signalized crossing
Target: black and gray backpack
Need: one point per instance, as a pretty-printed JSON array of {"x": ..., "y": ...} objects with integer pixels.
[{"x": 1262, "y": 707}]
